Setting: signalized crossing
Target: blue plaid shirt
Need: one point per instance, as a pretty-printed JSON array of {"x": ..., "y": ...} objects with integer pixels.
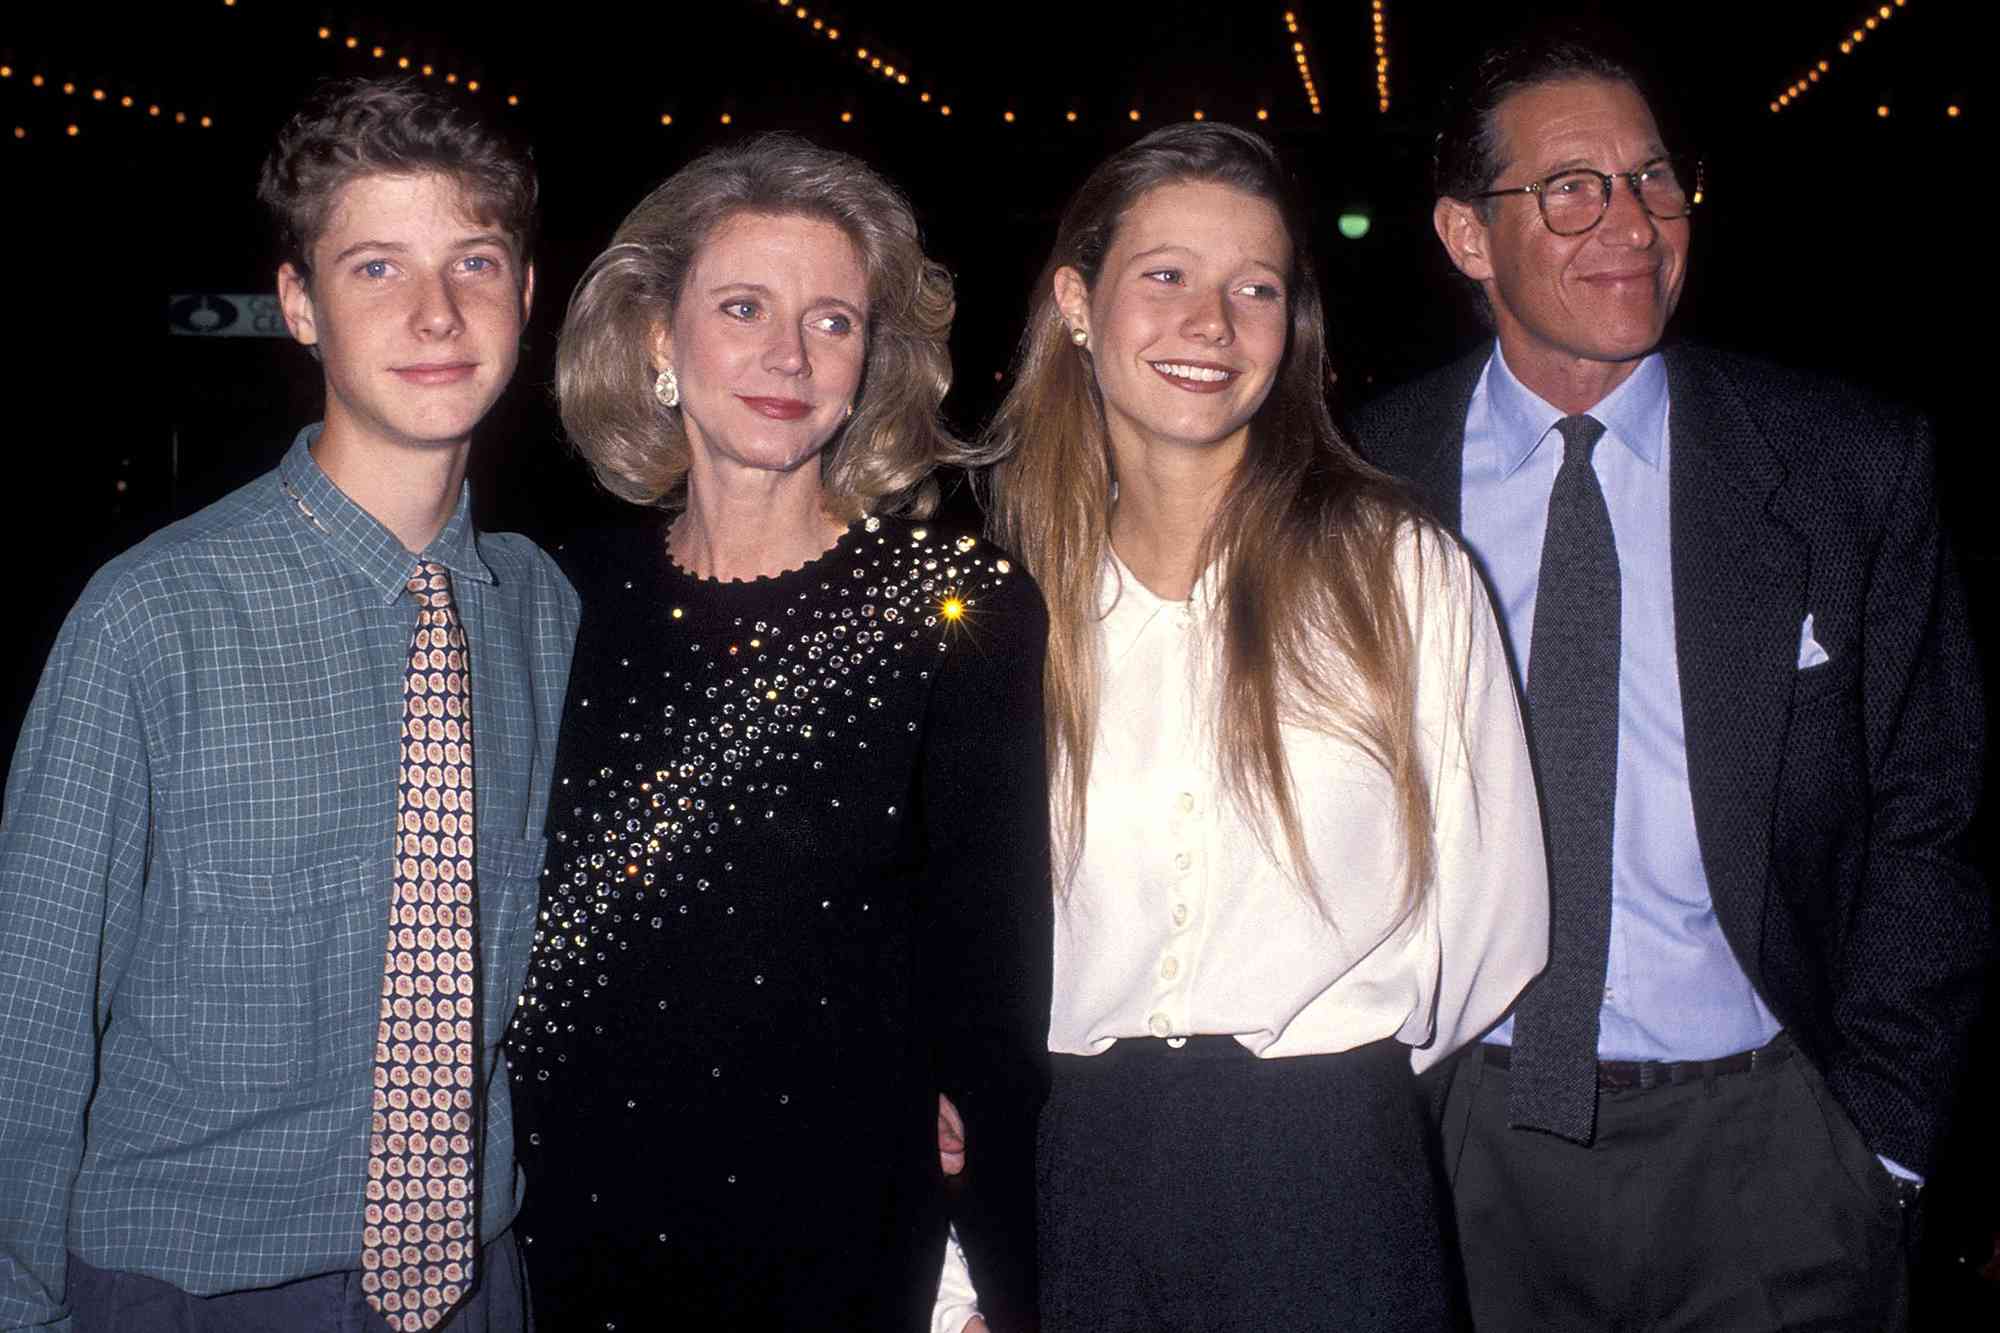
[{"x": 195, "y": 881}]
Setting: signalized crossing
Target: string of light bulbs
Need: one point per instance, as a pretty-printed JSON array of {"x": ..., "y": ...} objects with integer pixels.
[
  {"x": 1304, "y": 63},
  {"x": 98, "y": 94},
  {"x": 1823, "y": 68},
  {"x": 1380, "y": 18},
  {"x": 427, "y": 69}
]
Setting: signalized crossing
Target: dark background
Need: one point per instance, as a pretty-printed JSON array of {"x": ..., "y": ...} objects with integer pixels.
[{"x": 1833, "y": 236}]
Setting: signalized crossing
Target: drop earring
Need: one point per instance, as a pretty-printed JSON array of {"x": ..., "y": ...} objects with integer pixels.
[
  {"x": 667, "y": 388},
  {"x": 1079, "y": 337}
]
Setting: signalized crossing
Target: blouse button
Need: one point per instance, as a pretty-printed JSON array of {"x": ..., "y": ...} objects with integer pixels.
[
  {"x": 1182, "y": 860},
  {"x": 1180, "y": 914},
  {"x": 1187, "y": 802},
  {"x": 1170, "y": 969},
  {"x": 1158, "y": 1025}
]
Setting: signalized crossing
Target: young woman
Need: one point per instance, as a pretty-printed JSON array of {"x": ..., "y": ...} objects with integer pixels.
[
  {"x": 798, "y": 883},
  {"x": 1298, "y": 848}
]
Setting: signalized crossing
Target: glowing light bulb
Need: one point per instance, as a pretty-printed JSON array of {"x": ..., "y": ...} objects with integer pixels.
[
  {"x": 951, "y": 608},
  {"x": 1882, "y": 112},
  {"x": 472, "y": 85},
  {"x": 325, "y": 33},
  {"x": 847, "y": 117},
  {"x": 1007, "y": 116},
  {"x": 207, "y": 121},
  {"x": 1070, "y": 116},
  {"x": 1132, "y": 114},
  {"x": 71, "y": 131},
  {"x": 726, "y": 118},
  {"x": 944, "y": 110},
  {"x": 1952, "y": 111},
  {"x": 1199, "y": 115},
  {"x": 513, "y": 99},
  {"x": 666, "y": 120}
]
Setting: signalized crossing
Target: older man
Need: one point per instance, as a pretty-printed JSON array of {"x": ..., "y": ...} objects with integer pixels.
[{"x": 1757, "y": 727}]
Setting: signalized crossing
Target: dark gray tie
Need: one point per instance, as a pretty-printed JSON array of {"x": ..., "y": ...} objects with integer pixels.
[{"x": 1573, "y": 720}]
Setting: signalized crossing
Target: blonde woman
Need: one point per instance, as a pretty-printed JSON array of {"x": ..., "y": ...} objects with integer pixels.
[
  {"x": 1299, "y": 853},
  {"x": 798, "y": 883}
]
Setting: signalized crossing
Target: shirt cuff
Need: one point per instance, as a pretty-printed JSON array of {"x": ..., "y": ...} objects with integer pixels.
[{"x": 957, "y": 1302}]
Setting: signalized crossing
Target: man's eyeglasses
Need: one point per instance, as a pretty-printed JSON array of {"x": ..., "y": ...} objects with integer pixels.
[{"x": 1576, "y": 200}]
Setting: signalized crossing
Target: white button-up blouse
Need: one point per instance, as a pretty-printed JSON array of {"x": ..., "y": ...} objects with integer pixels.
[{"x": 1180, "y": 920}]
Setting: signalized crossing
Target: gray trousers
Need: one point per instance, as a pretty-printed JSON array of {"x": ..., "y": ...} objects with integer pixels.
[
  {"x": 1747, "y": 1201},
  {"x": 102, "y": 1301}
]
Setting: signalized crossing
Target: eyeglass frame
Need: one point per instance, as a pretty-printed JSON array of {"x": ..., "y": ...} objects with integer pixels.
[{"x": 1631, "y": 179}]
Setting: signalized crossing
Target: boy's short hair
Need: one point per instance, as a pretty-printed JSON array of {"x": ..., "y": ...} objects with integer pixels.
[{"x": 351, "y": 128}]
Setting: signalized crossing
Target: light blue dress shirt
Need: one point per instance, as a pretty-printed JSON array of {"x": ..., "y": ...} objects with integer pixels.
[{"x": 1672, "y": 989}]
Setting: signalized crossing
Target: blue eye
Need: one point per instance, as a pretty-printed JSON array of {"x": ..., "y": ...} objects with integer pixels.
[
  {"x": 375, "y": 268},
  {"x": 480, "y": 263},
  {"x": 834, "y": 324},
  {"x": 740, "y": 309},
  {"x": 1165, "y": 275}
]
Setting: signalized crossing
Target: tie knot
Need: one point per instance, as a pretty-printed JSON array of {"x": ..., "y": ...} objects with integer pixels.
[
  {"x": 1580, "y": 436},
  {"x": 430, "y": 585}
]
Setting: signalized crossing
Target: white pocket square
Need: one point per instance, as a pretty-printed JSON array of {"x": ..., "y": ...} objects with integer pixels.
[{"x": 1810, "y": 653}]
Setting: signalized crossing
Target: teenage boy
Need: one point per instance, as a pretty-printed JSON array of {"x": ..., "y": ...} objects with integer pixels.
[{"x": 258, "y": 940}]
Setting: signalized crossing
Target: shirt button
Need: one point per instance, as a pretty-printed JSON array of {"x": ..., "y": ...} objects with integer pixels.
[
  {"x": 1171, "y": 968},
  {"x": 1158, "y": 1025},
  {"x": 1187, "y": 802},
  {"x": 1182, "y": 860},
  {"x": 1180, "y": 914}
]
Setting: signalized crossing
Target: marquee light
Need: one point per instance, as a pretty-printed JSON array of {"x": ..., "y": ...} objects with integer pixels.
[
  {"x": 100, "y": 96},
  {"x": 1855, "y": 36},
  {"x": 404, "y": 61},
  {"x": 1380, "y": 18},
  {"x": 1300, "y": 58}
]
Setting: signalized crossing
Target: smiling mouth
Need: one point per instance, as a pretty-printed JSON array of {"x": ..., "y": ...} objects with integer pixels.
[
  {"x": 1618, "y": 278},
  {"x": 778, "y": 409},
  {"x": 450, "y": 373},
  {"x": 1193, "y": 376}
]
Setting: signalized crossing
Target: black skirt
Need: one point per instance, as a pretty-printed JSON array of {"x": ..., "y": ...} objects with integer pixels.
[{"x": 1204, "y": 1189}]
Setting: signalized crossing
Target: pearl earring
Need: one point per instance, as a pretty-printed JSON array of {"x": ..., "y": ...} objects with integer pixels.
[
  {"x": 1079, "y": 337},
  {"x": 667, "y": 388}
]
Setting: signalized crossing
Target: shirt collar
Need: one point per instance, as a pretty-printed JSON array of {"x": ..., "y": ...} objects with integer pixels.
[
  {"x": 358, "y": 538},
  {"x": 1634, "y": 413},
  {"x": 1126, "y": 606}
]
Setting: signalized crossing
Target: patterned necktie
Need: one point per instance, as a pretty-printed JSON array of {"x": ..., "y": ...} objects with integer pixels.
[
  {"x": 418, "y": 1244},
  {"x": 1573, "y": 717}
]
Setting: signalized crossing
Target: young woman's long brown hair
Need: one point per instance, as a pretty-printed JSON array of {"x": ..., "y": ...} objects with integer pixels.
[{"x": 1314, "y": 626}]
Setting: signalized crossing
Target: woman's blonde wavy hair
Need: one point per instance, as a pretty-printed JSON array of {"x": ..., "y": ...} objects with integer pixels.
[
  {"x": 883, "y": 457},
  {"x": 1314, "y": 626}
]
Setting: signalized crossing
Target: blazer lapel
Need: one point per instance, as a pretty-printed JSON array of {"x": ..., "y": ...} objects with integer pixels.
[{"x": 1740, "y": 565}]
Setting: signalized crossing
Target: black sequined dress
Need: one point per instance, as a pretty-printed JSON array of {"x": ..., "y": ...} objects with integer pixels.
[{"x": 797, "y": 885}]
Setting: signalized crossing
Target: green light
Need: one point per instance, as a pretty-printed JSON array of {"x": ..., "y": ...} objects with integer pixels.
[{"x": 1353, "y": 225}]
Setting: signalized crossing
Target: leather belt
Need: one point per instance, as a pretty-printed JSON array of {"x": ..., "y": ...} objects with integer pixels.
[{"x": 1627, "y": 1075}]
